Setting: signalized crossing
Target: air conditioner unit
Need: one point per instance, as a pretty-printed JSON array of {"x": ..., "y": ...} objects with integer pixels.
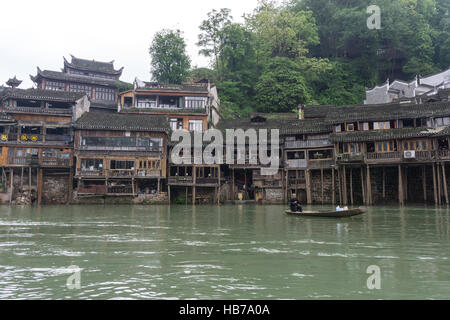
[{"x": 410, "y": 155}]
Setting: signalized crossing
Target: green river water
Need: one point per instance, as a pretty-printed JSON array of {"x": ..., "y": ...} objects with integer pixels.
[{"x": 226, "y": 252}]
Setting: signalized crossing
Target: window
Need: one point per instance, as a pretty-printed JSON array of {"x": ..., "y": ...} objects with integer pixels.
[
  {"x": 55, "y": 86},
  {"x": 127, "y": 142},
  {"x": 439, "y": 122},
  {"x": 338, "y": 128},
  {"x": 176, "y": 124},
  {"x": 121, "y": 165},
  {"x": 296, "y": 155},
  {"x": 91, "y": 164},
  {"x": 149, "y": 102},
  {"x": 381, "y": 125},
  {"x": 195, "y": 102},
  {"x": 351, "y": 147},
  {"x": 350, "y": 127},
  {"x": 320, "y": 154},
  {"x": 105, "y": 94},
  {"x": 196, "y": 125},
  {"x": 365, "y": 126},
  {"x": 385, "y": 146},
  {"x": 73, "y": 87}
]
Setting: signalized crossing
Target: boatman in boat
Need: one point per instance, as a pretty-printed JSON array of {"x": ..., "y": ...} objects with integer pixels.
[{"x": 295, "y": 204}]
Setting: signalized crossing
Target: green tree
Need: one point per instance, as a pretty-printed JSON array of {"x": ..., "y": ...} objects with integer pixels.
[
  {"x": 281, "y": 87},
  {"x": 170, "y": 62},
  {"x": 211, "y": 37}
]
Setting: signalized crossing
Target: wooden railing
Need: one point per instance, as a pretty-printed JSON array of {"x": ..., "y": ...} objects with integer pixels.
[
  {"x": 134, "y": 149},
  {"x": 350, "y": 157},
  {"x": 149, "y": 173},
  {"x": 56, "y": 162},
  {"x": 444, "y": 154},
  {"x": 319, "y": 164},
  {"x": 120, "y": 173},
  {"x": 181, "y": 180},
  {"x": 297, "y": 163},
  {"x": 307, "y": 143},
  {"x": 90, "y": 173}
]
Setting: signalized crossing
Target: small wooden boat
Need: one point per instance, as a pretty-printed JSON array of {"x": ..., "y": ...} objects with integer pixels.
[{"x": 329, "y": 214}]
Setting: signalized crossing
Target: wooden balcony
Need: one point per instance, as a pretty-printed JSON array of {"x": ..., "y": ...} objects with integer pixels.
[
  {"x": 51, "y": 162},
  {"x": 293, "y": 164},
  {"x": 126, "y": 149},
  {"x": 36, "y": 139},
  {"x": 350, "y": 158},
  {"x": 307, "y": 144},
  {"x": 444, "y": 154},
  {"x": 321, "y": 164},
  {"x": 119, "y": 173},
  {"x": 181, "y": 181},
  {"x": 386, "y": 157},
  {"x": 148, "y": 173},
  {"x": 90, "y": 173}
]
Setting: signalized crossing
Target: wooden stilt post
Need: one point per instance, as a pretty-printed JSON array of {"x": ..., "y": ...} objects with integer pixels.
[
  {"x": 168, "y": 193},
  {"x": 186, "y": 195},
  {"x": 444, "y": 182},
  {"x": 40, "y": 175},
  {"x": 21, "y": 180},
  {"x": 339, "y": 185},
  {"x": 438, "y": 173},
  {"x": 363, "y": 186},
  {"x": 308, "y": 187},
  {"x": 11, "y": 183},
  {"x": 69, "y": 197},
  {"x": 435, "y": 185},
  {"x": 159, "y": 186},
  {"x": 351, "y": 186},
  {"x": 333, "y": 187},
  {"x": 384, "y": 183},
  {"x": 424, "y": 182},
  {"x": 220, "y": 185},
  {"x": 321, "y": 183},
  {"x": 405, "y": 182},
  {"x": 401, "y": 198},
  {"x": 29, "y": 183},
  {"x": 369, "y": 187},
  {"x": 194, "y": 188},
  {"x": 344, "y": 193},
  {"x": 233, "y": 192},
  {"x": 286, "y": 186}
]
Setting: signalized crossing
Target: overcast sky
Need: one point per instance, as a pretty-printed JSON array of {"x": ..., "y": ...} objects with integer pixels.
[{"x": 39, "y": 33}]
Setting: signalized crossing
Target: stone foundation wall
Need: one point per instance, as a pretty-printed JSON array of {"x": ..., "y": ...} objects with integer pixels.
[
  {"x": 55, "y": 189},
  {"x": 274, "y": 195},
  {"x": 316, "y": 187}
]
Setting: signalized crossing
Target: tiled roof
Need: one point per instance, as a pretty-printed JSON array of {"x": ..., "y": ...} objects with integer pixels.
[
  {"x": 382, "y": 112},
  {"x": 53, "y": 111},
  {"x": 58, "y": 75},
  {"x": 117, "y": 121},
  {"x": 163, "y": 111},
  {"x": 92, "y": 65},
  {"x": 381, "y": 135},
  {"x": 286, "y": 126},
  {"x": 104, "y": 104},
  {"x": 186, "y": 87},
  {"x": 41, "y": 95}
]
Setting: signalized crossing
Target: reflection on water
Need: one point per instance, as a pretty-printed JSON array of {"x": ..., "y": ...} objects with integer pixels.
[{"x": 227, "y": 252}]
